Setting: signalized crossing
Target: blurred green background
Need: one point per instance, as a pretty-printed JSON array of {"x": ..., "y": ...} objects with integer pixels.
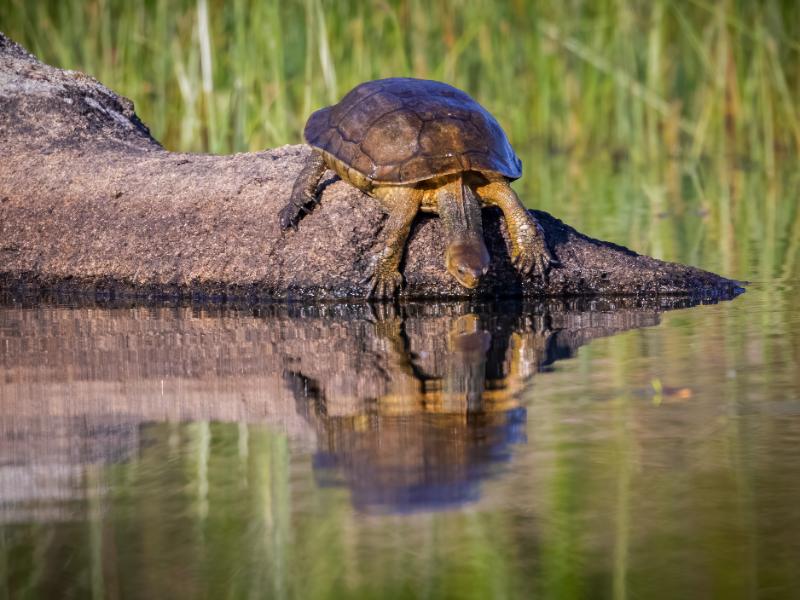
[{"x": 672, "y": 127}]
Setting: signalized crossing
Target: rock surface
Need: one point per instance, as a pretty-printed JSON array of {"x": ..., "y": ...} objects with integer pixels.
[{"x": 90, "y": 201}]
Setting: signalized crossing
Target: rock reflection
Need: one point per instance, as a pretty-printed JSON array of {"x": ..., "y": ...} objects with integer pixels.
[{"x": 410, "y": 408}]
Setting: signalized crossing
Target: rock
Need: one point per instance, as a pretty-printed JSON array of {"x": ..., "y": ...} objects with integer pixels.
[{"x": 90, "y": 201}]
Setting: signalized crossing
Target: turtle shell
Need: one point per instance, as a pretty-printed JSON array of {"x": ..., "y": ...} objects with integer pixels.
[{"x": 402, "y": 130}]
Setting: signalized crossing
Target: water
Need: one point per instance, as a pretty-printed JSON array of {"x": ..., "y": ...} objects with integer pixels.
[{"x": 609, "y": 448}]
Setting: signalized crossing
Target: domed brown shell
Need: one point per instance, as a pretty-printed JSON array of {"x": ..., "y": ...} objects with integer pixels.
[{"x": 403, "y": 130}]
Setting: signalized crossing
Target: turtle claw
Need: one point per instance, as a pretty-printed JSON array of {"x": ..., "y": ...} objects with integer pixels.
[
  {"x": 524, "y": 262},
  {"x": 289, "y": 216},
  {"x": 542, "y": 264},
  {"x": 529, "y": 252},
  {"x": 384, "y": 285},
  {"x": 533, "y": 258}
]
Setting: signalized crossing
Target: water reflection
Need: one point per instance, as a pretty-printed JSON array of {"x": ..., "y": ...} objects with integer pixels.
[
  {"x": 408, "y": 408},
  {"x": 444, "y": 408}
]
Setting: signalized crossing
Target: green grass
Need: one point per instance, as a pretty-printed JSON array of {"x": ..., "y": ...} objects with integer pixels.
[
  {"x": 635, "y": 77},
  {"x": 623, "y": 111}
]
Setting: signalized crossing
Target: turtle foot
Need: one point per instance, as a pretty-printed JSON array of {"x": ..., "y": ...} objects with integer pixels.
[
  {"x": 384, "y": 285},
  {"x": 538, "y": 263},
  {"x": 291, "y": 214},
  {"x": 530, "y": 254}
]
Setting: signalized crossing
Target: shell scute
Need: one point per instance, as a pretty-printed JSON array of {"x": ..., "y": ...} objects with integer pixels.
[{"x": 400, "y": 126}]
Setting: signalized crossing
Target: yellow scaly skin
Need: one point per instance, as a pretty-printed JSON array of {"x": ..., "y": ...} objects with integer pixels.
[{"x": 453, "y": 197}]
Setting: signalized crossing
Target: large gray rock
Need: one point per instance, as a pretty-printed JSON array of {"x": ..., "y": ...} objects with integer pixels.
[{"x": 89, "y": 200}]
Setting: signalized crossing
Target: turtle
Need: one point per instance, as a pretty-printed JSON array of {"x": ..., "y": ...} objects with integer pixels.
[{"x": 421, "y": 145}]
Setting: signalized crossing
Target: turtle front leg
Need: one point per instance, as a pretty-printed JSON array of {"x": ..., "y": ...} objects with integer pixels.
[
  {"x": 528, "y": 249},
  {"x": 402, "y": 204},
  {"x": 303, "y": 191}
]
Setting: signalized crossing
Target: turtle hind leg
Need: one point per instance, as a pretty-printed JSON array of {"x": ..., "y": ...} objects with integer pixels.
[
  {"x": 529, "y": 251},
  {"x": 303, "y": 191}
]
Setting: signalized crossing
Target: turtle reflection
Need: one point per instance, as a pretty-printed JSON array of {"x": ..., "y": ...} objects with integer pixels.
[{"x": 450, "y": 414}]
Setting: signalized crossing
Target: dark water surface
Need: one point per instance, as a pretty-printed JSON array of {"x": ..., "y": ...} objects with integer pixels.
[{"x": 586, "y": 449}]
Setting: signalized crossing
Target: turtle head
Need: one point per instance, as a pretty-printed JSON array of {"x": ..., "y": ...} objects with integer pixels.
[{"x": 467, "y": 261}]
